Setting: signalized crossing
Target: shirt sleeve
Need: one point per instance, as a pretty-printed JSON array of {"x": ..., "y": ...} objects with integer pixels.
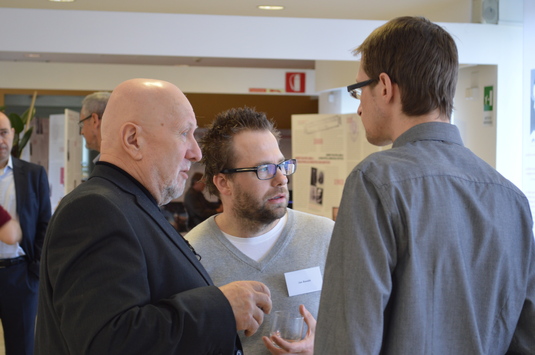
[{"x": 4, "y": 216}]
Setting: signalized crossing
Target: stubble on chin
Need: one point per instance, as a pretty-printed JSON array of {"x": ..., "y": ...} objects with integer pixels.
[
  {"x": 171, "y": 192},
  {"x": 260, "y": 215}
]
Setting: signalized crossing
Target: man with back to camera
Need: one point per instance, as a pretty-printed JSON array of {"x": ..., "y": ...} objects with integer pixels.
[
  {"x": 117, "y": 277},
  {"x": 24, "y": 194},
  {"x": 256, "y": 237},
  {"x": 93, "y": 107},
  {"x": 433, "y": 250}
]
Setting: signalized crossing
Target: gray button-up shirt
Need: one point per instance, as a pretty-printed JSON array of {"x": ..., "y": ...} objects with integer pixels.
[{"x": 432, "y": 253}]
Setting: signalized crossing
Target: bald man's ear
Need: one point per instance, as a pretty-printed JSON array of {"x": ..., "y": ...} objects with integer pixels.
[
  {"x": 132, "y": 140},
  {"x": 223, "y": 184}
]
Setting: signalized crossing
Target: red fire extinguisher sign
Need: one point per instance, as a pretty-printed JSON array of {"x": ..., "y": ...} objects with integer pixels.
[{"x": 295, "y": 82}]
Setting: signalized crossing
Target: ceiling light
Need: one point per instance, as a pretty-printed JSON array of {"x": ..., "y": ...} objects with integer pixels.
[
  {"x": 270, "y": 7},
  {"x": 61, "y": 0},
  {"x": 32, "y": 55}
]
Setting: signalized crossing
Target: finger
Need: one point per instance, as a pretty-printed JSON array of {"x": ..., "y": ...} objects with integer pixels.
[
  {"x": 270, "y": 346},
  {"x": 309, "y": 319},
  {"x": 250, "y": 330},
  {"x": 256, "y": 319},
  {"x": 282, "y": 346},
  {"x": 260, "y": 287},
  {"x": 263, "y": 301},
  {"x": 258, "y": 316}
]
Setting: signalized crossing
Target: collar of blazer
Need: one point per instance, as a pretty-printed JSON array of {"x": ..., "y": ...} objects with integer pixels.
[{"x": 126, "y": 183}]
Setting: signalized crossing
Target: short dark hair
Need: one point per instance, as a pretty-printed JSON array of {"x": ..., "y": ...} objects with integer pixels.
[
  {"x": 420, "y": 57},
  {"x": 196, "y": 177},
  {"x": 217, "y": 143}
]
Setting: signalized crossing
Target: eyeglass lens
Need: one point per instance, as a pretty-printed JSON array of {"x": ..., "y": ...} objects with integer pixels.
[
  {"x": 81, "y": 122},
  {"x": 356, "y": 93},
  {"x": 268, "y": 171}
]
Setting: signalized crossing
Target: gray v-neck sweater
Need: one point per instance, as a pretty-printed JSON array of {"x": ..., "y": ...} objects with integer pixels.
[{"x": 303, "y": 244}]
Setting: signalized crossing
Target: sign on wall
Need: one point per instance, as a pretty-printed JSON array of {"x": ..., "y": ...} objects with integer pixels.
[{"x": 295, "y": 82}]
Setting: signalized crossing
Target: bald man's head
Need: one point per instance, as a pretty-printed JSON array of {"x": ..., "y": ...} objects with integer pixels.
[{"x": 147, "y": 130}]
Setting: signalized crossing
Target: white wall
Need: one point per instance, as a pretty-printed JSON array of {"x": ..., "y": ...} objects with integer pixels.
[
  {"x": 477, "y": 130},
  {"x": 72, "y": 76},
  {"x": 243, "y": 37}
]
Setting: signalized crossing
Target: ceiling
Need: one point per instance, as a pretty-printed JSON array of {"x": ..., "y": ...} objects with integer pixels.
[{"x": 435, "y": 10}]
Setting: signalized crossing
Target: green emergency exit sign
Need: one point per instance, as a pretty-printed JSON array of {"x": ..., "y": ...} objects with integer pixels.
[{"x": 488, "y": 98}]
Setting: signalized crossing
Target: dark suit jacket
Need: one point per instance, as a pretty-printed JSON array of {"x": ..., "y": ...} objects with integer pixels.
[
  {"x": 33, "y": 208},
  {"x": 117, "y": 278}
]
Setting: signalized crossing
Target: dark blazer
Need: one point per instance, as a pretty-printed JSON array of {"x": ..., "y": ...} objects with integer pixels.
[
  {"x": 33, "y": 208},
  {"x": 117, "y": 278}
]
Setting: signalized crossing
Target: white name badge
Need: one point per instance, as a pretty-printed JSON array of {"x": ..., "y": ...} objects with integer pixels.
[{"x": 303, "y": 281}]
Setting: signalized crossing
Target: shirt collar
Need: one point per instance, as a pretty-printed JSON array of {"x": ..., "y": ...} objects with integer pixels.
[
  {"x": 9, "y": 165},
  {"x": 433, "y": 131}
]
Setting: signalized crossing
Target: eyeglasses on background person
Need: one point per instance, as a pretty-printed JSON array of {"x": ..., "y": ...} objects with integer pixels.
[
  {"x": 267, "y": 171},
  {"x": 355, "y": 90},
  {"x": 81, "y": 122}
]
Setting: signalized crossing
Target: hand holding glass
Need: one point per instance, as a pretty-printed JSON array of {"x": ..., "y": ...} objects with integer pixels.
[{"x": 287, "y": 326}]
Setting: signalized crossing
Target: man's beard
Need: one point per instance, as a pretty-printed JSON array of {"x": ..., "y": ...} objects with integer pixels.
[
  {"x": 256, "y": 212},
  {"x": 171, "y": 192}
]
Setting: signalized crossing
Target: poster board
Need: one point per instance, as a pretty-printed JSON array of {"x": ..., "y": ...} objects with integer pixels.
[
  {"x": 65, "y": 155},
  {"x": 73, "y": 151},
  {"x": 327, "y": 147}
]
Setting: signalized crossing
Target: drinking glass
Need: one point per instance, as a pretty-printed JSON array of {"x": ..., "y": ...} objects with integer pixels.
[{"x": 286, "y": 325}]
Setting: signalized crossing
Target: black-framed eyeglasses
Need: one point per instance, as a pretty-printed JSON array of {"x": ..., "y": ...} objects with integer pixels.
[
  {"x": 267, "y": 171},
  {"x": 81, "y": 122},
  {"x": 355, "y": 90}
]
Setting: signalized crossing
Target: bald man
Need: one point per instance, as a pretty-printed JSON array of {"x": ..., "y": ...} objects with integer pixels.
[{"x": 116, "y": 276}]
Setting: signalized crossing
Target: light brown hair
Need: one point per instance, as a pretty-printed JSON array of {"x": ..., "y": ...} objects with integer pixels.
[{"x": 420, "y": 57}]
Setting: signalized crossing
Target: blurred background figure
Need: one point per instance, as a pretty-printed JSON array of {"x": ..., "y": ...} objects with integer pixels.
[
  {"x": 197, "y": 206},
  {"x": 25, "y": 196},
  {"x": 91, "y": 113}
]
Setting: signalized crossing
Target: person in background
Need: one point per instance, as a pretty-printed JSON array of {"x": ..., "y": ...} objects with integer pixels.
[
  {"x": 10, "y": 232},
  {"x": 433, "y": 250},
  {"x": 196, "y": 204},
  {"x": 256, "y": 236},
  {"x": 117, "y": 277},
  {"x": 169, "y": 216},
  {"x": 90, "y": 122},
  {"x": 24, "y": 194}
]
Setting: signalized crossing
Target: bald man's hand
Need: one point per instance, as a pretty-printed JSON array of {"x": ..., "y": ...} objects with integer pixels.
[{"x": 249, "y": 301}]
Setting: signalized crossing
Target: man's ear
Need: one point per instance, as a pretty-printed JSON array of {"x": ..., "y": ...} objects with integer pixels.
[
  {"x": 223, "y": 184},
  {"x": 98, "y": 121},
  {"x": 387, "y": 87},
  {"x": 132, "y": 140}
]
